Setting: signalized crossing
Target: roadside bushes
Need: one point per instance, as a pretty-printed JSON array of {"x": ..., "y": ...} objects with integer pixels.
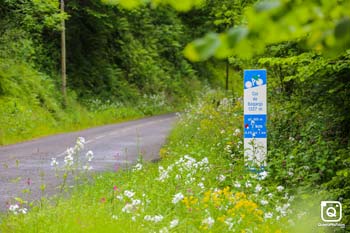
[{"x": 309, "y": 120}]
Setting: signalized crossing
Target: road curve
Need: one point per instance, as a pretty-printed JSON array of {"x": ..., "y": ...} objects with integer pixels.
[{"x": 27, "y": 165}]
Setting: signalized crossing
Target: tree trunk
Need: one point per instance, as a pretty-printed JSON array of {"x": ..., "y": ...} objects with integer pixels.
[{"x": 63, "y": 58}]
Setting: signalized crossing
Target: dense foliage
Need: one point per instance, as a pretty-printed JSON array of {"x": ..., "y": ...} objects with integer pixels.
[
  {"x": 309, "y": 120},
  {"x": 115, "y": 57}
]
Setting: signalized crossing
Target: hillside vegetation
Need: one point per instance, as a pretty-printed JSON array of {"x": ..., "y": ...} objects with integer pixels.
[{"x": 120, "y": 64}]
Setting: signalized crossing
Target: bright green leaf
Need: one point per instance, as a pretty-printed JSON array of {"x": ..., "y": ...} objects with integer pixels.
[
  {"x": 342, "y": 29},
  {"x": 203, "y": 48}
]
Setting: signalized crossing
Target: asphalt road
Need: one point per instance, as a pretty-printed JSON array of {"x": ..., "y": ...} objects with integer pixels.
[{"x": 27, "y": 165}]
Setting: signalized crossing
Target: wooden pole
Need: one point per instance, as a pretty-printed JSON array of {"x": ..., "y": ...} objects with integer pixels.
[
  {"x": 63, "y": 58},
  {"x": 227, "y": 73}
]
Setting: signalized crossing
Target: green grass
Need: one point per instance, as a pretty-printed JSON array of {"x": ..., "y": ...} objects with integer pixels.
[{"x": 203, "y": 161}]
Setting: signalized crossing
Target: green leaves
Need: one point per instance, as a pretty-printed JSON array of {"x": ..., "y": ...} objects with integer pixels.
[
  {"x": 180, "y": 5},
  {"x": 342, "y": 28},
  {"x": 235, "y": 35},
  {"x": 218, "y": 45},
  {"x": 266, "y": 6},
  {"x": 128, "y": 4},
  {"x": 323, "y": 27},
  {"x": 202, "y": 49}
]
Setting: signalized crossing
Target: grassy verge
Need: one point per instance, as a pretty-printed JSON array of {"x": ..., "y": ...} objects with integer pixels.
[
  {"x": 200, "y": 185},
  {"x": 31, "y": 105}
]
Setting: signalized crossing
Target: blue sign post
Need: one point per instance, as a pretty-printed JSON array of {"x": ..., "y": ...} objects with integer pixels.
[{"x": 255, "y": 114}]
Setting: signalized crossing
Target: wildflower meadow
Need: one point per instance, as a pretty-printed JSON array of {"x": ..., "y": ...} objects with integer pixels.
[{"x": 201, "y": 184}]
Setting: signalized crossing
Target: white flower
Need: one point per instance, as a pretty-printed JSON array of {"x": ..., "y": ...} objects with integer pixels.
[
  {"x": 282, "y": 210},
  {"x": 158, "y": 218},
  {"x": 13, "y": 207},
  {"x": 280, "y": 188},
  {"x": 127, "y": 208},
  {"x": 87, "y": 167},
  {"x": 291, "y": 198},
  {"x": 68, "y": 160},
  {"x": 115, "y": 217},
  {"x": 129, "y": 194},
  {"x": 237, "y": 132},
  {"x": 229, "y": 223},
  {"x": 248, "y": 184},
  {"x": 163, "y": 174},
  {"x": 133, "y": 218},
  {"x": 237, "y": 184},
  {"x": 286, "y": 206},
  {"x": 177, "y": 177},
  {"x": 174, "y": 223},
  {"x": 89, "y": 155},
  {"x": 54, "y": 162},
  {"x": 209, "y": 221},
  {"x": 119, "y": 197},
  {"x": 264, "y": 202},
  {"x": 262, "y": 175},
  {"x": 136, "y": 202},
  {"x": 164, "y": 230},
  {"x": 270, "y": 195},
  {"x": 268, "y": 215},
  {"x": 290, "y": 173},
  {"x": 138, "y": 167},
  {"x": 177, "y": 197},
  {"x": 205, "y": 160},
  {"x": 79, "y": 146},
  {"x": 81, "y": 140},
  {"x": 201, "y": 185},
  {"x": 258, "y": 188},
  {"x": 23, "y": 210},
  {"x": 70, "y": 151},
  {"x": 80, "y": 143},
  {"x": 221, "y": 178}
]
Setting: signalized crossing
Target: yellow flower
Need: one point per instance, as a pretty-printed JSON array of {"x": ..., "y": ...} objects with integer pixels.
[
  {"x": 163, "y": 153},
  {"x": 227, "y": 192},
  {"x": 207, "y": 195},
  {"x": 189, "y": 201},
  {"x": 240, "y": 195},
  {"x": 222, "y": 218}
]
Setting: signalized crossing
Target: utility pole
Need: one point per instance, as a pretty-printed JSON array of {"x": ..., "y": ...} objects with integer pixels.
[
  {"x": 63, "y": 57},
  {"x": 227, "y": 73}
]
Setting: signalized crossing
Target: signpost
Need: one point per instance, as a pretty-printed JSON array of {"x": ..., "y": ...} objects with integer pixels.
[{"x": 255, "y": 115}]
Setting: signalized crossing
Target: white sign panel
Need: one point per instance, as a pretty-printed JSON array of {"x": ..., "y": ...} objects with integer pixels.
[{"x": 255, "y": 111}]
